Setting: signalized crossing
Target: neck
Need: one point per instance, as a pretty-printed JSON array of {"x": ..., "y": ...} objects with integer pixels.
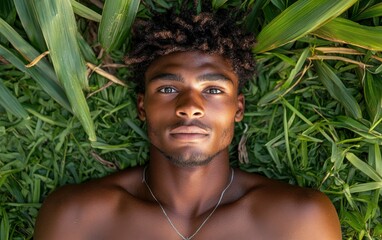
[{"x": 188, "y": 191}]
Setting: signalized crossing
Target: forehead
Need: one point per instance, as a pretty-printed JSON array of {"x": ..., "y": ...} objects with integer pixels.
[{"x": 193, "y": 63}]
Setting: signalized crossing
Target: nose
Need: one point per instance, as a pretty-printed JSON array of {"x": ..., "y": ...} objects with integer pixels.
[{"x": 189, "y": 105}]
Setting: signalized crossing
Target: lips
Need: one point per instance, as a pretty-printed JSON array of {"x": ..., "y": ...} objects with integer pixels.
[
  {"x": 189, "y": 133},
  {"x": 189, "y": 130}
]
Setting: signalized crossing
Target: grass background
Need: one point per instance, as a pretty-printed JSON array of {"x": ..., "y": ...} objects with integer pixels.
[{"x": 313, "y": 114}]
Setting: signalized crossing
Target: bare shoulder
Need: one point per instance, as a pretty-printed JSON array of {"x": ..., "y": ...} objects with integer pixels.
[
  {"x": 69, "y": 211},
  {"x": 298, "y": 213}
]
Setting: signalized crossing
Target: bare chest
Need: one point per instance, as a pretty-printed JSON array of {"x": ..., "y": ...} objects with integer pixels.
[{"x": 227, "y": 223}]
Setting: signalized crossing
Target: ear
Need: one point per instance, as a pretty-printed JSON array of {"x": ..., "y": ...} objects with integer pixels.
[
  {"x": 240, "y": 108},
  {"x": 141, "y": 106}
]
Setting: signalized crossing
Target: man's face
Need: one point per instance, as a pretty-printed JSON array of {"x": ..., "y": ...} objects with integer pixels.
[{"x": 190, "y": 104}]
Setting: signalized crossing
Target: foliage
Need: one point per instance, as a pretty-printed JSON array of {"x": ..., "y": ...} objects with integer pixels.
[{"x": 67, "y": 117}]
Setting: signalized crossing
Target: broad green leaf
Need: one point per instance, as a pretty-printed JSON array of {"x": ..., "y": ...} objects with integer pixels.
[
  {"x": 345, "y": 31},
  {"x": 27, "y": 14},
  {"x": 85, "y": 12},
  {"x": 371, "y": 12},
  {"x": 4, "y": 225},
  {"x": 86, "y": 50},
  {"x": 373, "y": 95},
  {"x": 375, "y": 156},
  {"x": 280, "y": 4},
  {"x": 7, "y": 11},
  {"x": 337, "y": 89},
  {"x": 337, "y": 156},
  {"x": 51, "y": 86},
  {"x": 252, "y": 17},
  {"x": 117, "y": 19},
  {"x": 299, "y": 19},
  {"x": 216, "y": 4},
  {"x": 363, "y": 167},
  {"x": 10, "y": 102},
  {"x": 65, "y": 54},
  {"x": 26, "y": 50}
]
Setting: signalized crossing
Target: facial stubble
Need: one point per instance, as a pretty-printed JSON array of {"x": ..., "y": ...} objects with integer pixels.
[{"x": 196, "y": 158}]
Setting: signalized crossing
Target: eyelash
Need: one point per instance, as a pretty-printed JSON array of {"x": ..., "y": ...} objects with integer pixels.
[
  {"x": 169, "y": 89},
  {"x": 208, "y": 90},
  {"x": 163, "y": 89}
]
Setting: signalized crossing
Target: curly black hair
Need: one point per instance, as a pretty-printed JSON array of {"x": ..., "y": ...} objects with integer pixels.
[{"x": 212, "y": 33}]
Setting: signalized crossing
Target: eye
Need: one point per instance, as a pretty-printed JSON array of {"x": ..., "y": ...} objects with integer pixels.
[
  {"x": 214, "y": 90},
  {"x": 167, "y": 90}
]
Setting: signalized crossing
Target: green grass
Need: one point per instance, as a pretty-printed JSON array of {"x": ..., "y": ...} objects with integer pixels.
[{"x": 313, "y": 110}]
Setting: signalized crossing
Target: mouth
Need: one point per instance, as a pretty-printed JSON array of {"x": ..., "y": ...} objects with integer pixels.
[
  {"x": 189, "y": 130},
  {"x": 189, "y": 133}
]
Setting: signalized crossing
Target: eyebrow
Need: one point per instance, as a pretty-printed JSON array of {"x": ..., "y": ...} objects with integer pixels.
[{"x": 201, "y": 78}]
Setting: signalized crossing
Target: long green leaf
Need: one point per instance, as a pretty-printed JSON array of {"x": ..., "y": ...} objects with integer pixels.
[
  {"x": 373, "y": 95},
  {"x": 364, "y": 187},
  {"x": 51, "y": 86},
  {"x": 288, "y": 84},
  {"x": 25, "y": 49},
  {"x": 337, "y": 89},
  {"x": 345, "y": 31},
  {"x": 10, "y": 102},
  {"x": 357, "y": 127},
  {"x": 4, "y": 225},
  {"x": 117, "y": 18},
  {"x": 85, "y": 12},
  {"x": 27, "y": 14},
  {"x": 376, "y": 157},
  {"x": 65, "y": 54},
  {"x": 299, "y": 19},
  {"x": 373, "y": 11},
  {"x": 7, "y": 11},
  {"x": 363, "y": 167}
]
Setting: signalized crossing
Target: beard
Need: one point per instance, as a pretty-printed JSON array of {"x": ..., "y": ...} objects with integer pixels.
[{"x": 188, "y": 160}]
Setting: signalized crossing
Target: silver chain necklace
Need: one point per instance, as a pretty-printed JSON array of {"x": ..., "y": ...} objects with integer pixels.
[{"x": 168, "y": 218}]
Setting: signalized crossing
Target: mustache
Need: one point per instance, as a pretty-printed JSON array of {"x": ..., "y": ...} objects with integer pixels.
[{"x": 194, "y": 122}]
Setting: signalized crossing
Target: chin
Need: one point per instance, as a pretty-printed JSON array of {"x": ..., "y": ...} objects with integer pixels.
[{"x": 191, "y": 159}]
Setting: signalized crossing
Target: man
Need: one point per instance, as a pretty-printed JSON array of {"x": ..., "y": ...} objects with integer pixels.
[{"x": 192, "y": 69}]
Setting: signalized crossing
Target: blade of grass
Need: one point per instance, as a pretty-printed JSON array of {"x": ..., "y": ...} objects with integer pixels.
[
  {"x": 299, "y": 19},
  {"x": 367, "y": 134},
  {"x": 25, "y": 49},
  {"x": 373, "y": 95},
  {"x": 363, "y": 167},
  {"x": 289, "y": 83},
  {"x": 286, "y": 137},
  {"x": 7, "y": 11},
  {"x": 49, "y": 85},
  {"x": 253, "y": 15},
  {"x": 216, "y": 4},
  {"x": 364, "y": 187},
  {"x": 345, "y": 31},
  {"x": 10, "y": 102},
  {"x": 65, "y": 54},
  {"x": 117, "y": 18},
  {"x": 27, "y": 14},
  {"x": 85, "y": 12},
  {"x": 375, "y": 156},
  {"x": 371, "y": 12},
  {"x": 337, "y": 89},
  {"x": 4, "y": 226}
]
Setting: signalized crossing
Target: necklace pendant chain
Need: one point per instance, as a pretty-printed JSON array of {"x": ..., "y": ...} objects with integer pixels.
[{"x": 168, "y": 218}]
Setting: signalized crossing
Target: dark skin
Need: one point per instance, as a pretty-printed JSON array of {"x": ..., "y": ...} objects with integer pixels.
[{"x": 191, "y": 104}]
